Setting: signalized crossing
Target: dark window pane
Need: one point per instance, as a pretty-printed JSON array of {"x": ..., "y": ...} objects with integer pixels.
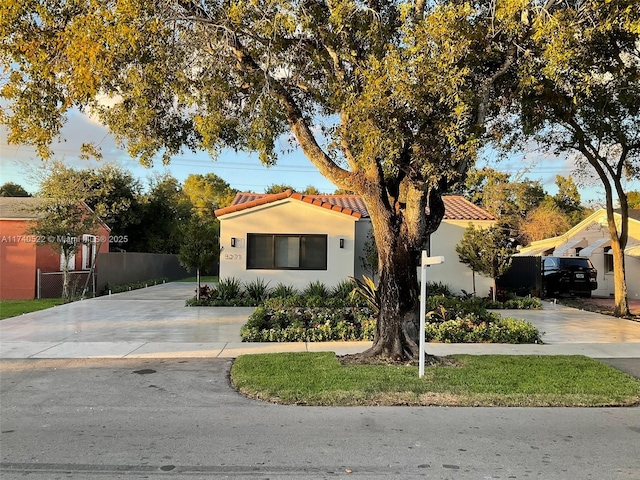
[
  {"x": 313, "y": 252},
  {"x": 287, "y": 251},
  {"x": 259, "y": 251}
]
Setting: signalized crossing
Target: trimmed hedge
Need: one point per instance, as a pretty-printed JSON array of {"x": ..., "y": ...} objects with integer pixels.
[
  {"x": 279, "y": 320},
  {"x": 309, "y": 324}
]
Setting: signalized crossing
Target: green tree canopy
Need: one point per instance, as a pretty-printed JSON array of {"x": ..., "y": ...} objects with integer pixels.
[
  {"x": 208, "y": 193},
  {"x": 109, "y": 190},
  {"x": 633, "y": 198},
  {"x": 486, "y": 251},
  {"x": 545, "y": 221},
  {"x": 278, "y": 188},
  {"x": 11, "y": 189},
  {"x": 163, "y": 211}
]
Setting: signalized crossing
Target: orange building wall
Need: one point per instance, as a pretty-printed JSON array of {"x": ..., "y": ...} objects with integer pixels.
[
  {"x": 20, "y": 258},
  {"x": 17, "y": 261}
]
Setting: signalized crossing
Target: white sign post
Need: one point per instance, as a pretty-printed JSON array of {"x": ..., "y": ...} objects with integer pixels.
[{"x": 426, "y": 261}]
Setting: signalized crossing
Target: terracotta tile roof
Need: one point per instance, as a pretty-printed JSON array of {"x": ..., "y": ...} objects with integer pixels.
[
  {"x": 456, "y": 207},
  {"x": 459, "y": 208}
]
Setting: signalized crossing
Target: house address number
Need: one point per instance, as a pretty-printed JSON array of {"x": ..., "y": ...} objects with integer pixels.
[{"x": 232, "y": 256}]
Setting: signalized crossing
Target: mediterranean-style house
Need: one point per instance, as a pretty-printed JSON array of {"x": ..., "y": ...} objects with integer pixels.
[
  {"x": 296, "y": 239},
  {"x": 590, "y": 238},
  {"x": 21, "y": 259}
]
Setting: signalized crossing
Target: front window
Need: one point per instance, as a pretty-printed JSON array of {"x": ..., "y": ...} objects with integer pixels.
[
  {"x": 608, "y": 260},
  {"x": 286, "y": 252}
]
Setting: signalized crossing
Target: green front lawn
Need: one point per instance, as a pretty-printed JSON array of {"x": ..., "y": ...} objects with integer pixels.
[
  {"x": 13, "y": 308},
  {"x": 460, "y": 380},
  {"x": 203, "y": 280}
]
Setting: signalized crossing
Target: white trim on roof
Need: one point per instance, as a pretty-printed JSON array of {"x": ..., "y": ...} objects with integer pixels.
[
  {"x": 633, "y": 250},
  {"x": 534, "y": 251},
  {"x": 592, "y": 247},
  {"x": 563, "y": 248}
]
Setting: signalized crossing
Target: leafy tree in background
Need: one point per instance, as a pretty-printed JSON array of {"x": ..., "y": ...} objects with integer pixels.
[
  {"x": 555, "y": 214},
  {"x": 311, "y": 190},
  {"x": 343, "y": 191},
  {"x": 61, "y": 224},
  {"x": 11, "y": 189},
  {"x": 386, "y": 98},
  {"x": 200, "y": 247},
  {"x": 109, "y": 190},
  {"x": 163, "y": 211},
  {"x": 278, "y": 188},
  {"x": 580, "y": 93},
  {"x": 633, "y": 198},
  {"x": 487, "y": 251},
  {"x": 508, "y": 200},
  {"x": 545, "y": 221},
  {"x": 208, "y": 193},
  {"x": 567, "y": 199}
]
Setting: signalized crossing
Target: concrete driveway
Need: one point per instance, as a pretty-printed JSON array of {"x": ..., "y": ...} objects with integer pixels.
[{"x": 154, "y": 323}]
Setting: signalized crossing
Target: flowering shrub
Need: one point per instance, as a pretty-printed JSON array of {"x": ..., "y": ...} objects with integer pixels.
[
  {"x": 315, "y": 324},
  {"x": 468, "y": 330},
  {"x": 309, "y": 324}
]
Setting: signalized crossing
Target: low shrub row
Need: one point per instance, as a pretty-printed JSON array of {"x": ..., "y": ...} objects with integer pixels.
[
  {"x": 470, "y": 330},
  {"x": 133, "y": 286},
  {"x": 278, "y": 322},
  {"x": 234, "y": 293},
  {"x": 446, "y": 307},
  {"x": 309, "y": 324}
]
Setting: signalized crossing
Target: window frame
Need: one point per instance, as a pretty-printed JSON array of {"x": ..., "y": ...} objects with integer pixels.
[{"x": 301, "y": 250}]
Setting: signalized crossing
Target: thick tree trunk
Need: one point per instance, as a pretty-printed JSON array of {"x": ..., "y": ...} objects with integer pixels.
[
  {"x": 400, "y": 231},
  {"x": 608, "y": 175},
  {"x": 621, "y": 308},
  {"x": 396, "y": 332},
  {"x": 618, "y": 244}
]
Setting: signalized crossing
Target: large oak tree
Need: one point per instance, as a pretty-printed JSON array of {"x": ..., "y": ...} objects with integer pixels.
[{"x": 387, "y": 98}]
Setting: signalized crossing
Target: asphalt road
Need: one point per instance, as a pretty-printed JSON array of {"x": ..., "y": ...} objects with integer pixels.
[{"x": 180, "y": 419}]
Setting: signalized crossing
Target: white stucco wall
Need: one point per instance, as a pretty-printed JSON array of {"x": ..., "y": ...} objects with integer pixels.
[
  {"x": 632, "y": 266},
  {"x": 288, "y": 216},
  {"x": 452, "y": 272}
]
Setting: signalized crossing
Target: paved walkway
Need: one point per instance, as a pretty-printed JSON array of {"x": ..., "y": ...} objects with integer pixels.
[{"x": 154, "y": 323}]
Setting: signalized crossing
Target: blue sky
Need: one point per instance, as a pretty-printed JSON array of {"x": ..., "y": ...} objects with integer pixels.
[{"x": 244, "y": 172}]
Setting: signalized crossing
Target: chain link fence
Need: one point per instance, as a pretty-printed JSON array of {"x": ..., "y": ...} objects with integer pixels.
[{"x": 49, "y": 284}]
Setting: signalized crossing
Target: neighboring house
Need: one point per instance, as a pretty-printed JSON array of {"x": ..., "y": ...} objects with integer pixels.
[
  {"x": 21, "y": 258},
  {"x": 590, "y": 238},
  {"x": 296, "y": 239}
]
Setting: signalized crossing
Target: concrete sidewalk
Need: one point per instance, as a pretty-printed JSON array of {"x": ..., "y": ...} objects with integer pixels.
[{"x": 154, "y": 323}]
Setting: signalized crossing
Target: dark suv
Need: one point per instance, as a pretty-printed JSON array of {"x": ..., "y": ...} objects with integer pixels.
[{"x": 568, "y": 275}]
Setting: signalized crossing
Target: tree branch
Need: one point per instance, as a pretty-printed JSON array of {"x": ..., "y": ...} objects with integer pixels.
[{"x": 297, "y": 123}]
